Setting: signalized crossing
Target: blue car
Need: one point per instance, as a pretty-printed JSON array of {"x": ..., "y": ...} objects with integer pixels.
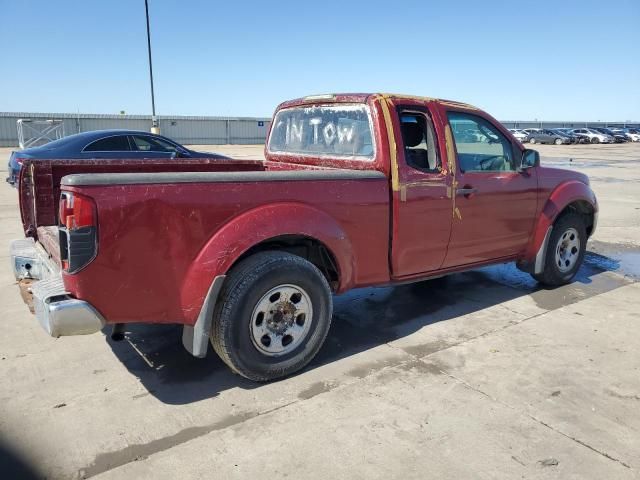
[{"x": 104, "y": 144}]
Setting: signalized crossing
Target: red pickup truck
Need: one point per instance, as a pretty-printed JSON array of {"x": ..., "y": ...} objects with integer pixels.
[{"x": 356, "y": 190}]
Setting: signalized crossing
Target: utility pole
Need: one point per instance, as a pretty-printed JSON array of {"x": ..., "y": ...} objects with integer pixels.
[{"x": 154, "y": 120}]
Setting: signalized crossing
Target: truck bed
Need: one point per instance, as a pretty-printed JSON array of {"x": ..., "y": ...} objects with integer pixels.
[
  {"x": 50, "y": 241},
  {"x": 39, "y": 185},
  {"x": 169, "y": 234}
]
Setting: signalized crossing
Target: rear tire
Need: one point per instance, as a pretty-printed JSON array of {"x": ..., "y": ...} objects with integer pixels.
[
  {"x": 565, "y": 251},
  {"x": 272, "y": 317}
]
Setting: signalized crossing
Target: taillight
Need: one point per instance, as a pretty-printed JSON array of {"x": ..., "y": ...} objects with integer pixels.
[
  {"x": 63, "y": 210},
  {"x": 76, "y": 211},
  {"x": 78, "y": 231}
]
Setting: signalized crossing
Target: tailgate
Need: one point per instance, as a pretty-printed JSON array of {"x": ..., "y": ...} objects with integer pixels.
[
  {"x": 50, "y": 240},
  {"x": 39, "y": 185}
]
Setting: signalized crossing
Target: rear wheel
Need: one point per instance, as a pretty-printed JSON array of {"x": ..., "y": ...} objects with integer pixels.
[
  {"x": 273, "y": 316},
  {"x": 565, "y": 251}
]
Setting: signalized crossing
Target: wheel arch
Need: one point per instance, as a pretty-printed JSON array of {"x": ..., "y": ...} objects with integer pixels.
[
  {"x": 569, "y": 196},
  {"x": 309, "y": 248},
  {"x": 586, "y": 210},
  {"x": 297, "y": 228}
]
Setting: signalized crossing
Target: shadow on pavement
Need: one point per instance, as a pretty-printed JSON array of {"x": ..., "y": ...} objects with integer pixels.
[
  {"x": 15, "y": 466},
  {"x": 363, "y": 319}
]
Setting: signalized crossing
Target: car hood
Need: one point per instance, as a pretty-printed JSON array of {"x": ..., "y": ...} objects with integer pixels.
[{"x": 552, "y": 175}]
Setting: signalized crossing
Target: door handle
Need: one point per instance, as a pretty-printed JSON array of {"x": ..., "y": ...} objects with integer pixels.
[{"x": 466, "y": 191}]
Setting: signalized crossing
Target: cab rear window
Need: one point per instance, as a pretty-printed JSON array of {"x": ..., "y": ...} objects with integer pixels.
[{"x": 329, "y": 130}]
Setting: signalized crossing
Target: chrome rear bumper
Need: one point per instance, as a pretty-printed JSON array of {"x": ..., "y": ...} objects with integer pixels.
[
  {"x": 57, "y": 311},
  {"x": 29, "y": 260}
]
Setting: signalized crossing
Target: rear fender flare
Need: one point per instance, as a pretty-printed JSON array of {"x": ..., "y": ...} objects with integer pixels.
[
  {"x": 256, "y": 226},
  {"x": 564, "y": 194}
]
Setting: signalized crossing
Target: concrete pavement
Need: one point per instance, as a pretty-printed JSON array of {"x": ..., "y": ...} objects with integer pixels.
[{"x": 479, "y": 375}]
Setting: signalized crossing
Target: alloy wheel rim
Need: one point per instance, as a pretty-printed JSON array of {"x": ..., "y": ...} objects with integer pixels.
[
  {"x": 567, "y": 250},
  {"x": 281, "y": 320}
]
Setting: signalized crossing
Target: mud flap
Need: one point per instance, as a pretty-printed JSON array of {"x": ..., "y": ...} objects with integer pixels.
[{"x": 196, "y": 338}]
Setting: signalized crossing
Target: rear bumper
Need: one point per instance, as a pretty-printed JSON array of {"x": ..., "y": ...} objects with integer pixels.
[
  {"x": 30, "y": 261},
  {"x": 57, "y": 311}
]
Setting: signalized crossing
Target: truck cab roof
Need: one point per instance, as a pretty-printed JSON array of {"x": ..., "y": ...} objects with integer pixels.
[{"x": 364, "y": 98}]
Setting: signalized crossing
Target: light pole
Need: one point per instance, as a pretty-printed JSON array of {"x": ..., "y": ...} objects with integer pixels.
[{"x": 154, "y": 120}]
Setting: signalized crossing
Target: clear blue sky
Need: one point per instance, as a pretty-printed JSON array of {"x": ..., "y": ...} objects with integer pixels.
[{"x": 542, "y": 59}]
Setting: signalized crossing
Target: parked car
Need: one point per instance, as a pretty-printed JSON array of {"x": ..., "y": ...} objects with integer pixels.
[
  {"x": 104, "y": 144},
  {"x": 549, "y": 136},
  {"x": 632, "y": 134},
  {"x": 581, "y": 138},
  {"x": 249, "y": 260},
  {"x": 519, "y": 134},
  {"x": 617, "y": 137},
  {"x": 593, "y": 135},
  {"x": 529, "y": 131},
  {"x": 566, "y": 133}
]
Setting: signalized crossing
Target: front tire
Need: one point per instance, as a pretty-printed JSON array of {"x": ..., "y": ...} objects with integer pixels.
[
  {"x": 595, "y": 140},
  {"x": 565, "y": 251},
  {"x": 558, "y": 141},
  {"x": 532, "y": 141},
  {"x": 272, "y": 317}
]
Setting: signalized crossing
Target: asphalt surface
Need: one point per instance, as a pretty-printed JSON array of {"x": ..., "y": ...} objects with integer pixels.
[{"x": 477, "y": 375}]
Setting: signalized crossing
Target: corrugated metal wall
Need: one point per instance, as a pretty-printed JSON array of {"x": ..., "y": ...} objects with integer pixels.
[
  {"x": 202, "y": 130},
  {"x": 185, "y": 130}
]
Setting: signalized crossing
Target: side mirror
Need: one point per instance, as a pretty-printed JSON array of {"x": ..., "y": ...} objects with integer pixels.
[{"x": 530, "y": 159}]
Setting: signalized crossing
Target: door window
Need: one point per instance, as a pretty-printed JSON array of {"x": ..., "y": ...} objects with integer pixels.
[
  {"x": 419, "y": 139},
  {"x": 146, "y": 143},
  {"x": 118, "y": 143},
  {"x": 481, "y": 146}
]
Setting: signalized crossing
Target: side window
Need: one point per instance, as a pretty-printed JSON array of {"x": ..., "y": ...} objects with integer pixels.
[
  {"x": 118, "y": 143},
  {"x": 480, "y": 145},
  {"x": 145, "y": 143},
  {"x": 419, "y": 140}
]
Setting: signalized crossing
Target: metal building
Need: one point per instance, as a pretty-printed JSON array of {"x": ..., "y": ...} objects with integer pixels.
[
  {"x": 204, "y": 130},
  {"x": 182, "y": 129}
]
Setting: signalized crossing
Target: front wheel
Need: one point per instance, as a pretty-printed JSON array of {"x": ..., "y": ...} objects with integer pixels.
[
  {"x": 595, "y": 140},
  {"x": 272, "y": 317},
  {"x": 565, "y": 251},
  {"x": 532, "y": 140},
  {"x": 558, "y": 141}
]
